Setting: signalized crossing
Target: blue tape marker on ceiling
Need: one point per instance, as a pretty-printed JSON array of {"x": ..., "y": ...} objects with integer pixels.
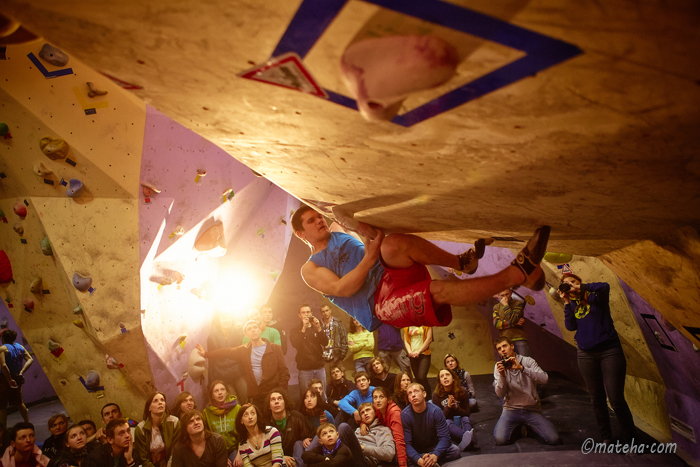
[
  {"x": 314, "y": 16},
  {"x": 48, "y": 74}
]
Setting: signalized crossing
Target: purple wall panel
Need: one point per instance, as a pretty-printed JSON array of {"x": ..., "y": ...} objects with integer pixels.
[
  {"x": 679, "y": 368},
  {"x": 37, "y": 385}
]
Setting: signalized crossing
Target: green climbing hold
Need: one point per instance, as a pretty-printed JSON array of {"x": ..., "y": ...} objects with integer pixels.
[
  {"x": 557, "y": 258},
  {"x": 261, "y": 231},
  {"x": 4, "y": 129},
  {"x": 46, "y": 246}
]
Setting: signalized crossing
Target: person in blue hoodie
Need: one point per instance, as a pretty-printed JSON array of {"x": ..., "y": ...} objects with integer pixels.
[
  {"x": 349, "y": 404},
  {"x": 600, "y": 356}
]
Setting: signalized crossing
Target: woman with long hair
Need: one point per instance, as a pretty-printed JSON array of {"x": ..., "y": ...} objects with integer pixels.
[
  {"x": 261, "y": 445},
  {"x": 197, "y": 446},
  {"x": 184, "y": 402},
  {"x": 400, "y": 397},
  {"x": 453, "y": 399},
  {"x": 451, "y": 363},
  {"x": 361, "y": 345},
  {"x": 155, "y": 436},
  {"x": 416, "y": 340},
  {"x": 600, "y": 356},
  {"x": 313, "y": 408},
  {"x": 75, "y": 449},
  {"x": 220, "y": 416},
  {"x": 389, "y": 415}
]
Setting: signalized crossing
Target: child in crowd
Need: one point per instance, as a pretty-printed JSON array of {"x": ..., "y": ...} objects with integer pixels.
[{"x": 331, "y": 452}]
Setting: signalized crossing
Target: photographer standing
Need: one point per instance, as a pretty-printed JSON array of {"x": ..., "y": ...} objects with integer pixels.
[
  {"x": 600, "y": 356},
  {"x": 515, "y": 380},
  {"x": 309, "y": 340}
]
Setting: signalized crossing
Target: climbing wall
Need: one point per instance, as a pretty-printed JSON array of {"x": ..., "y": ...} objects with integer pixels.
[
  {"x": 92, "y": 233},
  {"x": 201, "y": 186}
]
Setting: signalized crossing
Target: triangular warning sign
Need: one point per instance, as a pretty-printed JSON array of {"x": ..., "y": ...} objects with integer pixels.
[
  {"x": 288, "y": 72},
  {"x": 566, "y": 269}
]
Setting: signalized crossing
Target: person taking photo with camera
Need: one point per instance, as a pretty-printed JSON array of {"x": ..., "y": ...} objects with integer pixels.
[
  {"x": 600, "y": 356},
  {"x": 515, "y": 380}
]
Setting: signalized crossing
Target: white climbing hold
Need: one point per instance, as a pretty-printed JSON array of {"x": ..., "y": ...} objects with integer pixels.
[
  {"x": 93, "y": 91},
  {"x": 41, "y": 170}
]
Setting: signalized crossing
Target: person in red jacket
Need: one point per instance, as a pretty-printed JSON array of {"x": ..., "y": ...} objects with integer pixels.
[
  {"x": 389, "y": 415},
  {"x": 262, "y": 361}
]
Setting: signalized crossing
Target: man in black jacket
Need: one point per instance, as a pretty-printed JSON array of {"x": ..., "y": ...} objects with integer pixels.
[
  {"x": 309, "y": 340},
  {"x": 119, "y": 447},
  {"x": 294, "y": 428}
]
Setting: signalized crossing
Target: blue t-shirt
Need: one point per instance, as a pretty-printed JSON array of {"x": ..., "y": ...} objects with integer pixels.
[
  {"x": 15, "y": 358},
  {"x": 342, "y": 254}
]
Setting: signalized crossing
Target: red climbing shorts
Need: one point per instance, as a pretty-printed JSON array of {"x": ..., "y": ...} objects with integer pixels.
[{"x": 403, "y": 299}]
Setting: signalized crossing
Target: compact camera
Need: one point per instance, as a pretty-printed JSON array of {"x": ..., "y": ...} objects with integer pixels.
[
  {"x": 507, "y": 362},
  {"x": 564, "y": 287}
]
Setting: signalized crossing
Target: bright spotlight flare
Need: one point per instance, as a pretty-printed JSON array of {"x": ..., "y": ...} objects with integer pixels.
[{"x": 236, "y": 293}]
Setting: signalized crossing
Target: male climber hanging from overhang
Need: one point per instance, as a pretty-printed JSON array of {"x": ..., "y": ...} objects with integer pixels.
[{"x": 386, "y": 279}]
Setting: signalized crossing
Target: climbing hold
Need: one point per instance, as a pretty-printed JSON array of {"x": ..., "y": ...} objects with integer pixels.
[
  {"x": 196, "y": 366},
  {"x": 274, "y": 275},
  {"x": 5, "y": 268},
  {"x": 18, "y": 228},
  {"x": 199, "y": 293},
  {"x": 92, "y": 381},
  {"x": 200, "y": 173},
  {"x": 28, "y": 303},
  {"x": 93, "y": 91},
  {"x": 74, "y": 188},
  {"x": 212, "y": 241},
  {"x": 81, "y": 283},
  {"x": 5, "y": 131},
  {"x": 20, "y": 209},
  {"x": 282, "y": 220},
  {"x": 41, "y": 170},
  {"x": 557, "y": 258},
  {"x": 381, "y": 72},
  {"x": 53, "y": 345},
  {"x": 178, "y": 231},
  {"x": 63, "y": 381},
  {"x": 111, "y": 362},
  {"x": 53, "y": 55},
  {"x": 149, "y": 189},
  {"x": 261, "y": 231},
  {"x": 78, "y": 310},
  {"x": 54, "y": 148},
  {"x": 45, "y": 245},
  {"x": 79, "y": 323},
  {"x": 35, "y": 286}
]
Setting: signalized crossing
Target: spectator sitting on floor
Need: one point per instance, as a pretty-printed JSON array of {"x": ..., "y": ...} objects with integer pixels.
[
  {"x": 381, "y": 376},
  {"x": 389, "y": 415},
  {"x": 314, "y": 409},
  {"x": 184, "y": 402},
  {"x": 451, "y": 363},
  {"x": 111, "y": 411},
  {"x": 220, "y": 417},
  {"x": 198, "y": 446},
  {"x": 75, "y": 449},
  {"x": 425, "y": 431},
  {"x": 352, "y": 401},
  {"x": 376, "y": 439},
  {"x": 317, "y": 384},
  {"x": 22, "y": 450},
  {"x": 400, "y": 396},
  {"x": 515, "y": 380},
  {"x": 296, "y": 431},
  {"x": 58, "y": 425},
  {"x": 331, "y": 452},
  {"x": 454, "y": 401},
  {"x": 91, "y": 441},
  {"x": 261, "y": 445},
  {"x": 156, "y": 434},
  {"x": 118, "y": 451},
  {"x": 337, "y": 388}
]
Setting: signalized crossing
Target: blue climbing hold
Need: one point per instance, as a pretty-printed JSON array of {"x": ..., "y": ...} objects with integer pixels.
[{"x": 74, "y": 187}]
